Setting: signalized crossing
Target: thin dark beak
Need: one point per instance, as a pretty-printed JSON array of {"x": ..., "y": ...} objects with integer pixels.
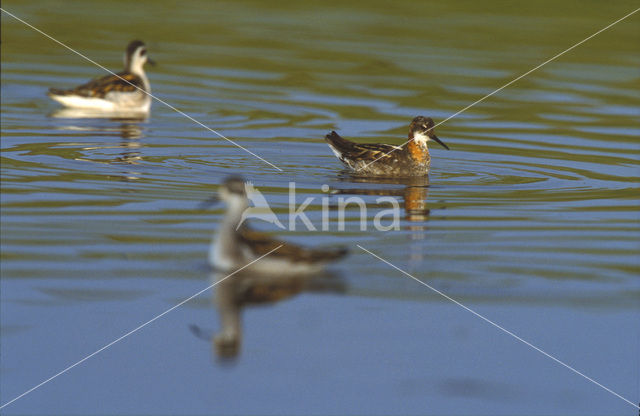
[
  {"x": 434, "y": 137},
  {"x": 207, "y": 203},
  {"x": 151, "y": 62}
]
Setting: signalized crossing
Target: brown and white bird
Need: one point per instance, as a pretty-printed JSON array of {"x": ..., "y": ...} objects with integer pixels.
[
  {"x": 235, "y": 244},
  {"x": 376, "y": 159},
  {"x": 126, "y": 91}
]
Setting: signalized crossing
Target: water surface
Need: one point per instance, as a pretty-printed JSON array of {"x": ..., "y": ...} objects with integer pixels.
[{"x": 531, "y": 219}]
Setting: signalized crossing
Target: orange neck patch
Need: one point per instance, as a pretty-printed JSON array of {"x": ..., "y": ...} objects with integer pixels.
[{"x": 420, "y": 154}]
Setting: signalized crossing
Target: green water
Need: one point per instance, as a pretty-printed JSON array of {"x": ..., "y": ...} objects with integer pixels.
[{"x": 532, "y": 216}]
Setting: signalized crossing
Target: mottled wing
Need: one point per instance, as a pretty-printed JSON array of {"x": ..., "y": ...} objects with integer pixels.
[
  {"x": 261, "y": 244},
  {"x": 359, "y": 152},
  {"x": 98, "y": 88}
]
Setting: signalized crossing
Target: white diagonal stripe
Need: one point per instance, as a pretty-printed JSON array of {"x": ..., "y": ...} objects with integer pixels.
[
  {"x": 135, "y": 330},
  {"x": 148, "y": 93},
  {"x": 500, "y": 328},
  {"x": 513, "y": 80}
]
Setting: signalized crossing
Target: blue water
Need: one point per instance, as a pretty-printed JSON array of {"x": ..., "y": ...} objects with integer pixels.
[{"x": 531, "y": 219}]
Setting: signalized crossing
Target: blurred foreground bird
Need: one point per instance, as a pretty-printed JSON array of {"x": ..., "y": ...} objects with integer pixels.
[{"x": 235, "y": 244}]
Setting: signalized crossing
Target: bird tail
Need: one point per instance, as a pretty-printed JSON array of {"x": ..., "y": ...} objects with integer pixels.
[{"x": 336, "y": 141}]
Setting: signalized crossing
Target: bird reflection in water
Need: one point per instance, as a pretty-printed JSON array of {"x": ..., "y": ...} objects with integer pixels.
[
  {"x": 245, "y": 289},
  {"x": 414, "y": 193},
  {"x": 128, "y": 128},
  {"x": 253, "y": 267}
]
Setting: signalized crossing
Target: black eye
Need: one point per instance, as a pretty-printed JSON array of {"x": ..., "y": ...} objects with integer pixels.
[{"x": 143, "y": 52}]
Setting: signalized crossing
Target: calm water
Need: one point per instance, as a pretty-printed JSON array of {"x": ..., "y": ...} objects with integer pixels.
[{"x": 531, "y": 219}]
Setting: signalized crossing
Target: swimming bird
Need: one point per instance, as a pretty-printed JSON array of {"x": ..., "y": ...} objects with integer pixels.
[
  {"x": 126, "y": 91},
  {"x": 235, "y": 245},
  {"x": 410, "y": 159}
]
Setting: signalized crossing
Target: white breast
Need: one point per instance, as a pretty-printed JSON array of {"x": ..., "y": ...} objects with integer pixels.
[{"x": 421, "y": 138}]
